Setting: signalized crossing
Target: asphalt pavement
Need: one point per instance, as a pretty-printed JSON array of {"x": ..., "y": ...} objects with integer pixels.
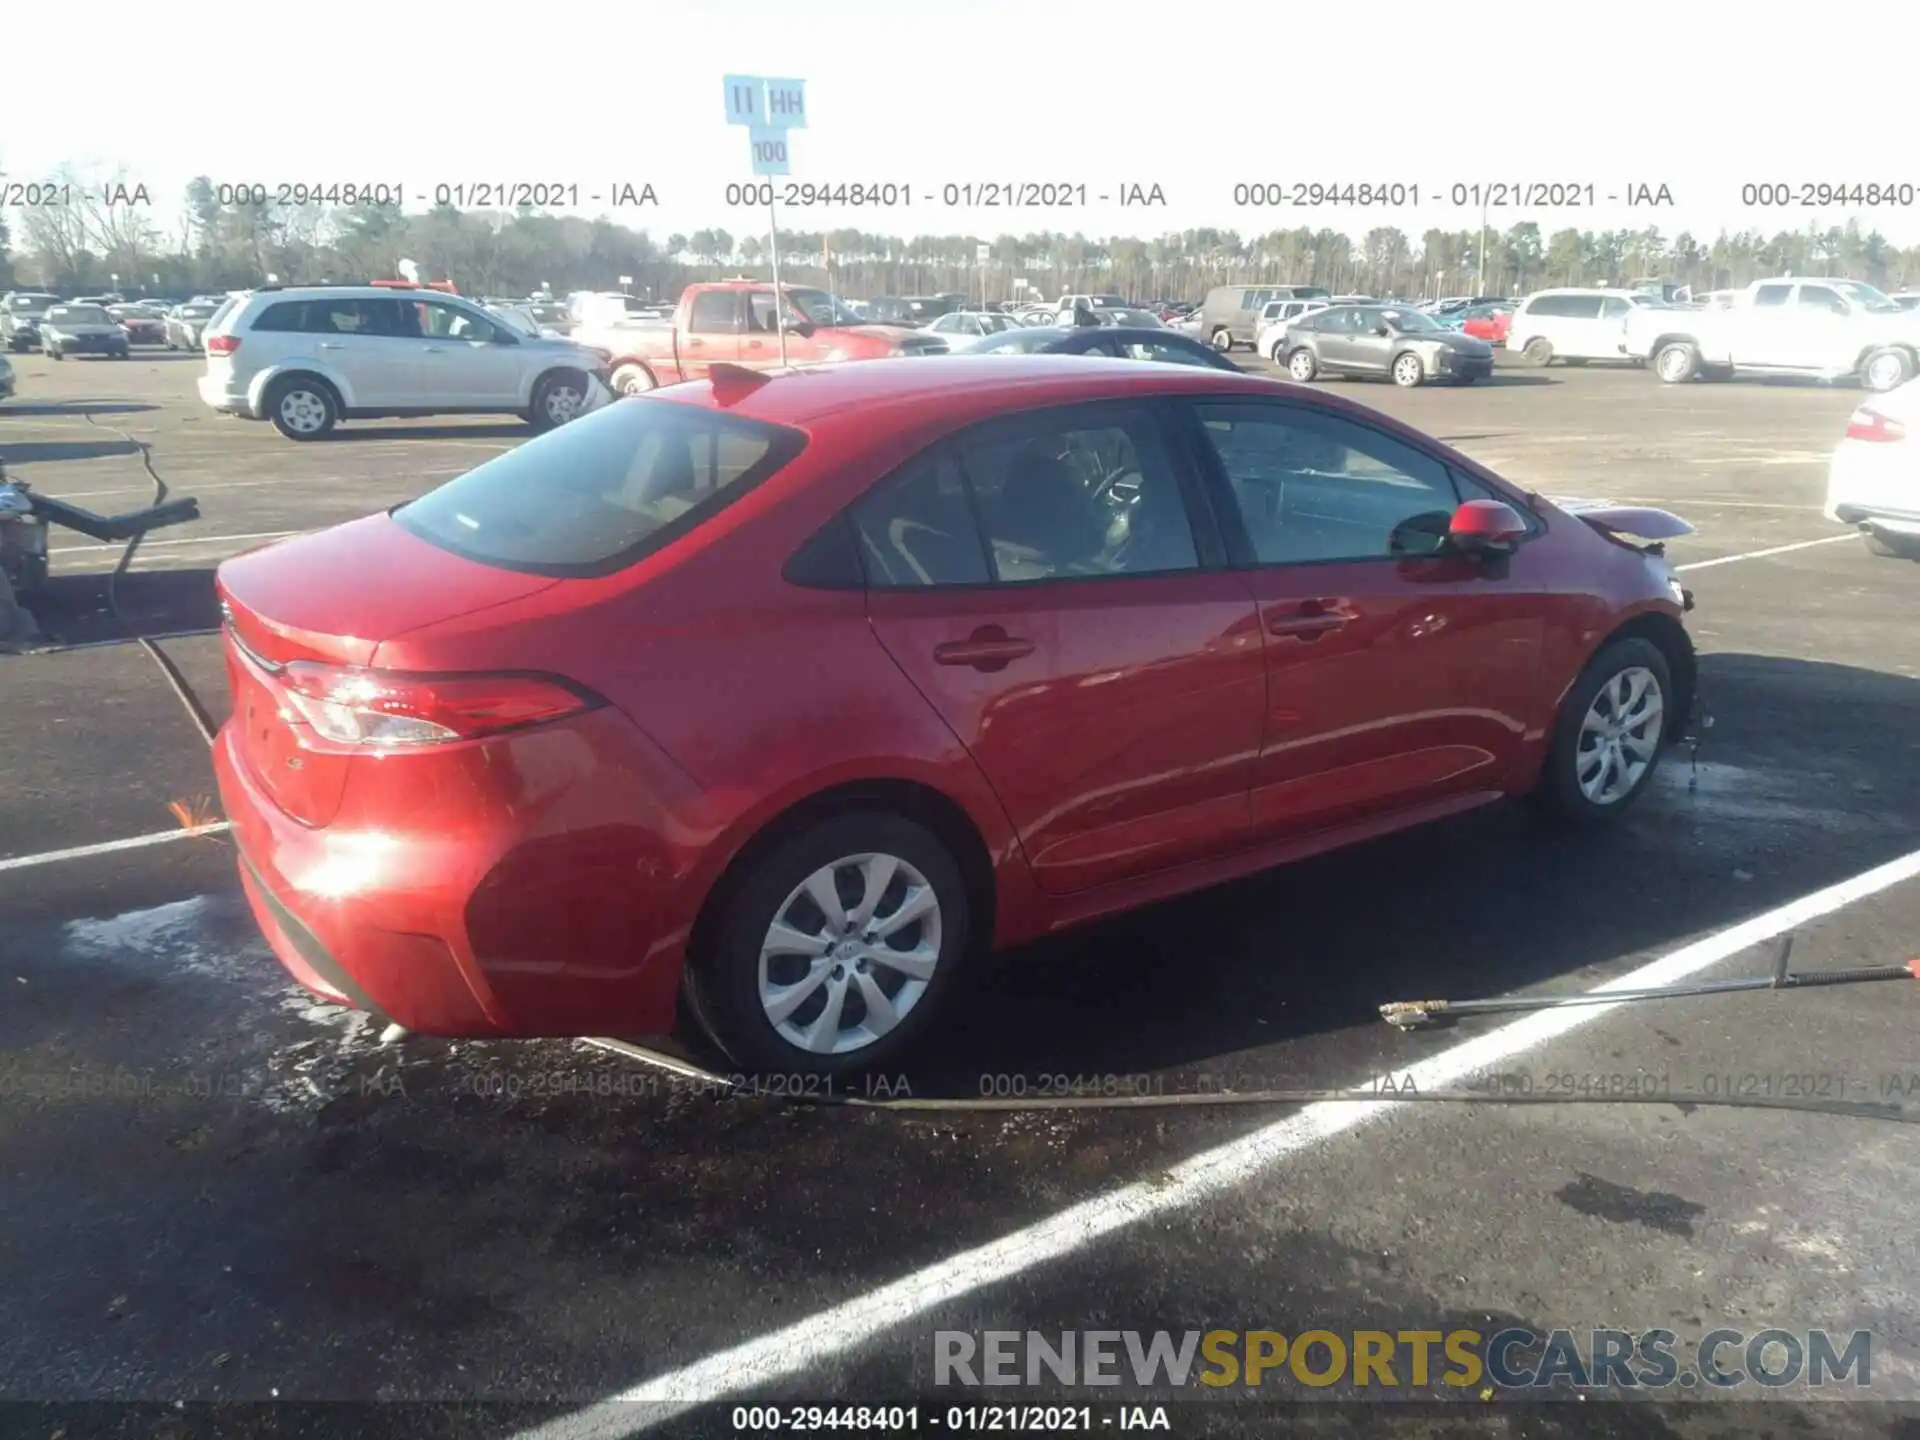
[{"x": 213, "y": 1189}]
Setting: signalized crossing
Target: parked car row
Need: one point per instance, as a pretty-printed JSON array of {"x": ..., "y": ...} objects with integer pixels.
[{"x": 23, "y": 316}]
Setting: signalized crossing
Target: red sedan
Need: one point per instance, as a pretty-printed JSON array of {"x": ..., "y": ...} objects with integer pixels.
[
  {"x": 1489, "y": 323},
  {"x": 796, "y": 691}
]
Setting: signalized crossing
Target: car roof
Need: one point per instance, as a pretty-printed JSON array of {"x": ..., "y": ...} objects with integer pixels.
[{"x": 901, "y": 394}]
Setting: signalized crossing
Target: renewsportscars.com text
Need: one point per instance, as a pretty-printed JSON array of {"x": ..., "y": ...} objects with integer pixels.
[{"x": 1516, "y": 1358}]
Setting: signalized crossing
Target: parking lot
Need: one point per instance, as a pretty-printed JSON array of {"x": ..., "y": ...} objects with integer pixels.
[{"x": 237, "y": 1194}]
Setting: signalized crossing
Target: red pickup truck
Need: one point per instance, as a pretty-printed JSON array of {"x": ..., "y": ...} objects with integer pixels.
[{"x": 734, "y": 322}]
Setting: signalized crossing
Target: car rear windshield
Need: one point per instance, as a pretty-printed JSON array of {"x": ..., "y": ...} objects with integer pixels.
[
  {"x": 79, "y": 315},
  {"x": 602, "y": 492}
]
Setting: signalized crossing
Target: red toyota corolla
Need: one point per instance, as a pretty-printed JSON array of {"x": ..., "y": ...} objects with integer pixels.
[{"x": 791, "y": 693}]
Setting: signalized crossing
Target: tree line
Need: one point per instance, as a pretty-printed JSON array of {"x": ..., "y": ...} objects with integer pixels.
[{"x": 219, "y": 246}]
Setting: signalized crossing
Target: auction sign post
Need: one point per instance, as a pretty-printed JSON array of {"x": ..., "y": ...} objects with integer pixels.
[{"x": 769, "y": 108}]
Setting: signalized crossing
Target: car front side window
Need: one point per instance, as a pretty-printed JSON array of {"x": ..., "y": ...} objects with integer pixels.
[{"x": 1312, "y": 488}]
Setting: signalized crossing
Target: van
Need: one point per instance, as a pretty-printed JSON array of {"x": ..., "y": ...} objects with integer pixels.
[
  {"x": 1275, "y": 317},
  {"x": 1230, "y": 315},
  {"x": 1574, "y": 325}
]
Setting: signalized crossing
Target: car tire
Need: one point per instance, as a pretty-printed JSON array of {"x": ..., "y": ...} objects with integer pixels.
[
  {"x": 1891, "y": 547},
  {"x": 1302, "y": 366},
  {"x": 550, "y": 408},
  {"x": 1616, "y": 679},
  {"x": 632, "y": 379},
  {"x": 1538, "y": 351},
  {"x": 1408, "y": 371},
  {"x": 1677, "y": 362},
  {"x": 1574, "y": 360},
  {"x": 1886, "y": 369},
  {"x": 53, "y": 354},
  {"x": 737, "y": 990},
  {"x": 1716, "y": 373},
  {"x": 302, "y": 407},
  {"x": 1222, "y": 340}
]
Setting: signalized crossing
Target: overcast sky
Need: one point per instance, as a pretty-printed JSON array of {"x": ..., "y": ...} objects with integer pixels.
[{"x": 1194, "y": 97}]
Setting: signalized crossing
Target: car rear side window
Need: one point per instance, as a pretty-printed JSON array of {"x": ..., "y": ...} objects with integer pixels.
[
  {"x": 917, "y": 528},
  {"x": 1078, "y": 496},
  {"x": 598, "y": 494},
  {"x": 330, "y": 317}
]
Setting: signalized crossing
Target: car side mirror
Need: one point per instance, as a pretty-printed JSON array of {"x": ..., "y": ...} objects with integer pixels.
[
  {"x": 1383, "y": 328},
  {"x": 796, "y": 325},
  {"x": 1485, "y": 527}
]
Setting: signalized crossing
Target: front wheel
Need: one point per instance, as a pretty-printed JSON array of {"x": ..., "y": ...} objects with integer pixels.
[
  {"x": 1677, "y": 362},
  {"x": 1610, "y": 735},
  {"x": 836, "y": 950},
  {"x": 557, "y": 399},
  {"x": 53, "y": 354},
  {"x": 1538, "y": 351},
  {"x": 1222, "y": 340},
  {"x": 1301, "y": 366},
  {"x": 1408, "y": 372}
]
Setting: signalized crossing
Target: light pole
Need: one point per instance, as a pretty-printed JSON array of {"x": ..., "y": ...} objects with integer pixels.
[{"x": 1480, "y": 276}]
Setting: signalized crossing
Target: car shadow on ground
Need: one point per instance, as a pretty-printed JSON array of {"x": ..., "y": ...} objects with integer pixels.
[
  {"x": 368, "y": 430},
  {"x": 1476, "y": 906},
  {"x": 74, "y": 609},
  {"x": 17, "y": 409},
  {"x": 40, "y": 452}
]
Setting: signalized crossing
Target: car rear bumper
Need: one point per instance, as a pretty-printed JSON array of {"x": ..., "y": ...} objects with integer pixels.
[
  {"x": 215, "y": 394},
  {"x": 1878, "y": 484},
  {"x": 484, "y": 928}
]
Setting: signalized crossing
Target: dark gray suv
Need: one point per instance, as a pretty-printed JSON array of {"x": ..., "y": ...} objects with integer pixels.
[{"x": 1390, "y": 342}]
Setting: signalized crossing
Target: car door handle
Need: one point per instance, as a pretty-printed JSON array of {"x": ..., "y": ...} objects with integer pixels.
[
  {"x": 436, "y": 349},
  {"x": 332, "y": 345},
  {"x": 1309, "y": 620},
  {"x": 988, "y": 648}
]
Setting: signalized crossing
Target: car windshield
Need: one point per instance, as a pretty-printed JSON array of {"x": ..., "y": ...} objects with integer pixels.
[
  {"x": 1409, "y": 320},
  {"x": 597, "y": 494},
  {"x": 79, "y": 315},
  {"x": 822, "y": 308},
  {"x": 1863, "y": 295},
  {"x": 519, "y": 320},
  {"x": 548, "y": 314}
]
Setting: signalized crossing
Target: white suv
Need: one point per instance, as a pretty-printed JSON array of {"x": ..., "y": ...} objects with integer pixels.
[
  {"x": 306, "y": 357},
  {"x": 1574, "y": 325}
]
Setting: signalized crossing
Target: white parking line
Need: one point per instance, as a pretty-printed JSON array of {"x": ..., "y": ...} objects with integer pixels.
[
  {"x": 190, "y": 540},
  {"x": 108, "y": 847},
  {"x": 1759, "y": 554},
  {"x": 846, "y": 1327}
]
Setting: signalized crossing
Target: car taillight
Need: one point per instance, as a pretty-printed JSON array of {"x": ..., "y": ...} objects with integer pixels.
[
  {"x": 222, "y": 344},
  {"x": 392, "y": 709},
  {"x": 1869, "y": 424}
]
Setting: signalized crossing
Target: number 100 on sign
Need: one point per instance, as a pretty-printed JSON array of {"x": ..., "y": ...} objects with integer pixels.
[{"x": 769, "y": 149}]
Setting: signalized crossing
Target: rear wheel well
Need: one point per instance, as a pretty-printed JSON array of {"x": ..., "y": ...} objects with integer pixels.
[
  {"x": 1668, "y": 636},
  {"x": 311, "y": 377},
  {"x": 906, "y": 798}
]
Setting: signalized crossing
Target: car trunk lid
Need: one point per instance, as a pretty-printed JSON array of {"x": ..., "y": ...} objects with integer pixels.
[{"x": 332, "y": 597}]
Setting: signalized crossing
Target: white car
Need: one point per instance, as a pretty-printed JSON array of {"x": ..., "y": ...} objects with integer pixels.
[
  {"x": 1574, "y": 325},
  {"x": 962, "y": 330},
  {"x": 1874, "y": 479},
  {"x": 1275, "y": 317},
  {"x": 307, "y": 357}
]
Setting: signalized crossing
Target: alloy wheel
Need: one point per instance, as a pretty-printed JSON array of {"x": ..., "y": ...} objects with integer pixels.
[
  {"x": 1619, "y": 735},
  {"x": 850, "y": 951}
]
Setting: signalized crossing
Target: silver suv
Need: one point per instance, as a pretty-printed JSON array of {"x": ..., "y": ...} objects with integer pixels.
[{"x": 307, "y": 357}]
